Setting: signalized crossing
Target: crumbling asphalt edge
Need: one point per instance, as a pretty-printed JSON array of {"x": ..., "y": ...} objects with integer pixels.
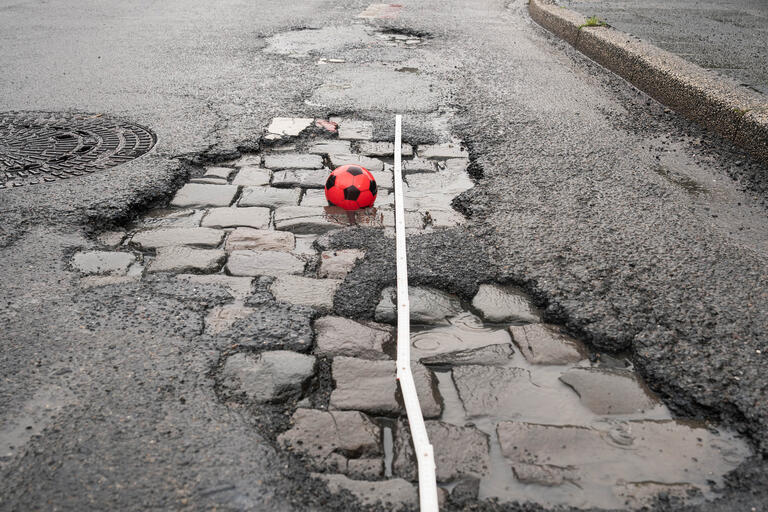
[{"x": 719, "y": 103}]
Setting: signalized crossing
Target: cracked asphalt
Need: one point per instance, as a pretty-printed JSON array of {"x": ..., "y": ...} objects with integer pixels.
[{"x": 637, "y": 230}]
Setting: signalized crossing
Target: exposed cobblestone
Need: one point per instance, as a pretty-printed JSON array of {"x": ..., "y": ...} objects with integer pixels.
[
  {"x": 199, "y": 194},
  {"x": 252, "y": 217},
  {"x": 269, "y": 197}
]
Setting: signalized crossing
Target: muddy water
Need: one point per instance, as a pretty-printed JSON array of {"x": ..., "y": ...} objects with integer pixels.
[{"x": 602, "y": 440}]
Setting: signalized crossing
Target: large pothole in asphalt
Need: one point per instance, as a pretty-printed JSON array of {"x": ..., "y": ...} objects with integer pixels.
[{"x": 38, "y": 147}]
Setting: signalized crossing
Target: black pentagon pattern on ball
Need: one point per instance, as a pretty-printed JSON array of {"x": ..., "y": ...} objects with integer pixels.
[
  {"x": 351, "y": 193},
  {"x": 330, "y": 182},
  {"x": 372, "y": 187},
  {"x": 355, "y": 171}
]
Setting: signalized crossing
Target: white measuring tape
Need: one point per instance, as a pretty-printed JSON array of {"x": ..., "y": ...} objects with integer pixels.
[{"x": 425, "y": 456}]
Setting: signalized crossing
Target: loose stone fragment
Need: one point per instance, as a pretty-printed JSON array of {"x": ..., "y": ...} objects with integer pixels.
[
  {"x": 428, "y": 305},
  {"x": 371, "y": 386},
  {"x": 268, "y": 376},
  {"x": 337, "y": 336},
  {"x": 466, "y": 331},
  {"x": 610, "y": 391},
  {"x": 491, "y": 355},
  {"x": 301, "y": 178},
  {"x": 164, "y": 237},
  {"x": 459, "y": 451},
  {"x": 263, "y": 263},
  {"x": 199, "y": 194},
  {"x": 331, "y": 147},
  {"x": 446, "y": 150},
  {"x": 238, "y": 287},
  {"x": 384, "y": 149},
  {"x": 320, "y": 434},
  {"x": 303, "y": 220},
  {"x": 337, "y": 264},
  {"x": 288, "y": 126},
  {"x": 500, "y": 303},
  {"x": 221, "y": 318},
  {"x": 252, "y": 217},
  {"x": 269, "y": 197},
  {"x": 259, "y": 240},
  {"x": 372, "y": 164},
  {"x": 102, "y": 262},
  {"x": 305, "y": 291},
  {"x": 544, "y": 344},
  {"x": 395, "y": 494},
  {"x": 355, "y": 130},
  {"x": 315, "y": 198},
  {"x": 252, "y": 176},
  {"x": 281, "y": 161},
  {"x": 218, "y": 172},
  {"x": 186, "y": 259}
]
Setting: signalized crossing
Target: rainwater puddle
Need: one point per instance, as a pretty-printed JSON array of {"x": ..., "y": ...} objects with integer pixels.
[{"x": 578, "y": 434}]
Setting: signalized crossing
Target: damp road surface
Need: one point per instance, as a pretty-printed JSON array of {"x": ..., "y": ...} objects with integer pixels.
[{"x": 187, "y": 324}]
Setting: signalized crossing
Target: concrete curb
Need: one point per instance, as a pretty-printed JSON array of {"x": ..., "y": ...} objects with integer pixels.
[{"x": 716, "y": 102}]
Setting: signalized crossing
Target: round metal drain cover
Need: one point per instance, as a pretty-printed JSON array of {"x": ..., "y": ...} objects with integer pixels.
[{"x": 36, "y": 147}]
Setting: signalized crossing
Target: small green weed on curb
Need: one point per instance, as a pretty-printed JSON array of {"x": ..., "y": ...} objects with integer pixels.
[{"x": 593, "y": 21}]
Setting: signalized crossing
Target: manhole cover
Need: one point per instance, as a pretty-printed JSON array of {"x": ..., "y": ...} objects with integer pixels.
[{"x": 45, "y": 146}]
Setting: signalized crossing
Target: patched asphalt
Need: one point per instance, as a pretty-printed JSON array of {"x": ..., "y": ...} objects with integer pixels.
[{"x": 574, "y": 202}]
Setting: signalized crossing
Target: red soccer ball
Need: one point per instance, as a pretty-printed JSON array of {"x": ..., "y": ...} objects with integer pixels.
[{"x": 351, "y": 187}]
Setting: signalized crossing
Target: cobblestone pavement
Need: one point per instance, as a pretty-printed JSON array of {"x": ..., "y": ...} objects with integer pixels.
[{"x": 515, "y": 409}]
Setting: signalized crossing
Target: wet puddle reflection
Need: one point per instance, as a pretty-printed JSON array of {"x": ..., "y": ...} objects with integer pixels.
[{"x": 562, "y": 430}]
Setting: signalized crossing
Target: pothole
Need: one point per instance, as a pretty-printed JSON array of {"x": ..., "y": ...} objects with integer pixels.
[{"x": 38, "y": 147}]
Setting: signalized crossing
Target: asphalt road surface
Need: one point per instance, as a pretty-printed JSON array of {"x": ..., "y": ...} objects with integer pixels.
[
  {"x": 726, "y": 37},
  {"x": 639, "y": 232}
]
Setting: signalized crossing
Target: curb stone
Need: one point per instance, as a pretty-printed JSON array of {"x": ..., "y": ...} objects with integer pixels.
[{"x": 717, "y": 102}]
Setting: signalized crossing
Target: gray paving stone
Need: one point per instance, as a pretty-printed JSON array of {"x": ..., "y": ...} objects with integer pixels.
[
  {"x": 259, "y": 240},
  {"x": 269, "y": 376},
  {"x": 221, "y": 318},
  {"x": 102, "y": 262},
  {"x": 252, "y": 177},
  {"x": 372, "y": 164},
  {"x": 454, "y": 165},
  {"x": 269, "y": 197},
  {"x": 111, "y": 238},
  {"x": 218, "y": 172},
  {"x": 263, "y": 263},
  {"x": 305, "y": 291},
  {"x": 172, "y": 218},
  {"x": 465, "y": 331},
  {"x": 355, "y": 130},
  {"x": 413, "y": 220},
  {"x": 337, "y": 264},
  {"x": 321, "y": 435},
  {"x": 282, "y": 161},
  {"x": 368, "y": 469},
  {"x": 610, "y": 391},
  {"x": 199, "y": 194},
  {"x": 314, "y": 197},
  {"x": 459, "y": 451},
  {"x": 300, "y": 178},
  {"x": 164, "y": 237},
  {"x": 384, "y": 180},
  {"x": 305, "y": 245},
  {"x": 544, "y": 344},
  {"x": 304, "y": 220},
  {"x": 248, "y": 161},
  {"x": 239, "y": 287},
  {"x": 427, "y": 305},
  {"x": 383, "y": 149},
  {"x": 490, "y": 355},
  {"x": 288, "y": 126},
  {"x": 419, "y": 166},
  {"x": 446, "y": 150},
  {"x": 209, "y": 181},
  {"x": 444, "y": 218},
  {"x": 242, "y": 216},
  {"x": 499, "y": 303},
  {"x": 371, "y": 386},
  {"x": 186, "y": 259},
  {"x": 448, "y": 184},
  {"x": 330, "y": 146},
  {"x": 395, "y": 493},
  {"x": 337, "y": 336}
]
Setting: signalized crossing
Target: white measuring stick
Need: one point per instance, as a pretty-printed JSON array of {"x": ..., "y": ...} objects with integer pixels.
[{"x": 424, "y": 453}]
